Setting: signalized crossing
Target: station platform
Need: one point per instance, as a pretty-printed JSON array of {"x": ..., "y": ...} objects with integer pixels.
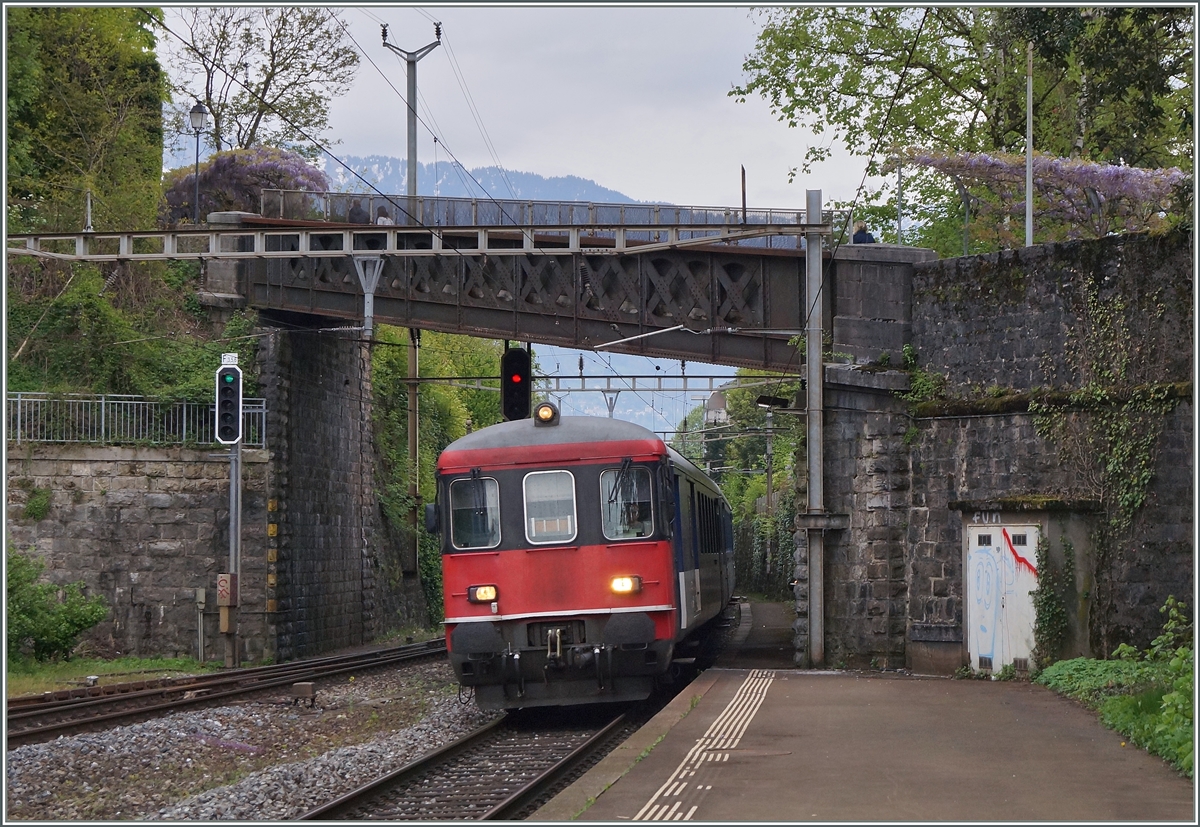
[{"x": 754, "y": 739}]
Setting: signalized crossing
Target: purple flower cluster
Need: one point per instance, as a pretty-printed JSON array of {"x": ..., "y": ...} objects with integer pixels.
[
  {"x": 235, "y": 179},
  {"x": 1082, "y": 198}
]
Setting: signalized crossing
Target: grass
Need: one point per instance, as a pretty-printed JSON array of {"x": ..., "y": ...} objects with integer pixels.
[
  {"x": 29, "y": 677},
  {"x": 411, "y": 634}
]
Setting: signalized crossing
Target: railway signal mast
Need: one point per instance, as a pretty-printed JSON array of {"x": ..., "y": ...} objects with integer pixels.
[{"x": 229, "y": 432}]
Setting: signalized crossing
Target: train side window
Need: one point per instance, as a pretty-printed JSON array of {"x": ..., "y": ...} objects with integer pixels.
[
  {"x": 550, "y": 507},
  {"x": 626, "y": 503},
  {"x": 475, "y": 513}
]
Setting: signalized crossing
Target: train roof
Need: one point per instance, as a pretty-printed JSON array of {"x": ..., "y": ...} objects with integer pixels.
[
  {"x": 521, "y": 442},
  {"x": 574, "y": 437}
]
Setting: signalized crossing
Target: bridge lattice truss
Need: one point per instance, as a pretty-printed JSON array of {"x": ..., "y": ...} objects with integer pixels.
[{"x": 696, "y": 292}]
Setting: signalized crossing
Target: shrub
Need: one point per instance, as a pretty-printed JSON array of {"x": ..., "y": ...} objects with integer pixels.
[
  {"x": 38, "y": 505},
  {"x": 43, "y": 620},
  {"x": 234, "y": 180},
  {"x": 1146, "y": 696}
]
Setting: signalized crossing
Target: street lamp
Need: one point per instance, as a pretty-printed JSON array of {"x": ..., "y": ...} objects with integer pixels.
[{"x": 198, "y": 117}]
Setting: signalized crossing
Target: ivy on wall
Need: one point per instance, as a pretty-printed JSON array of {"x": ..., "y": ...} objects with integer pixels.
[
  {"x": 1054, "y": 592},
  {"x": 1107, "y": 430}
]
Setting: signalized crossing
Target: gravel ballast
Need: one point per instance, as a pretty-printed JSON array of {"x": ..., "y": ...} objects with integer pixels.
[{"x": 260, "y": 760}]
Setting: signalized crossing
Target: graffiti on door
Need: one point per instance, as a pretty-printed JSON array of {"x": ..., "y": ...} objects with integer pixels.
[{"x": 1000, "y": 575}]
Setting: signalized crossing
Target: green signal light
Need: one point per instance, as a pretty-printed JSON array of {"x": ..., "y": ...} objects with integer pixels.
[{"x": 229, "y": 377}]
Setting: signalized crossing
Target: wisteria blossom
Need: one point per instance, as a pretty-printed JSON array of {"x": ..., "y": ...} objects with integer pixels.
[
  {"x": 235, "y": 179},
  {"x": 1072, "y": 198}
]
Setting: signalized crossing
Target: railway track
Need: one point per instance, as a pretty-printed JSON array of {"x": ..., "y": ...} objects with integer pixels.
[
  {"x": 37, "y": 718},
  {"x": 501, "y": 771}
]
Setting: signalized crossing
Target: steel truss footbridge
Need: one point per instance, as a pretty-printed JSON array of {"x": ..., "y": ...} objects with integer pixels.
[{"x": 702, "y": 284}]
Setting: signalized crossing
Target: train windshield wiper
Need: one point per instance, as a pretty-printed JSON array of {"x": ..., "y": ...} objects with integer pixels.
[
  {"x": 622, "y": 476},
  {"x": 479, "y": 496}
]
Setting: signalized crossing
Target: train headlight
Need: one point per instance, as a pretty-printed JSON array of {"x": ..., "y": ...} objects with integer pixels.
[
  {"x": 545, "y": 414},
  {"x": 481, "y": 594},
  {"x": 626, "y": 584}
]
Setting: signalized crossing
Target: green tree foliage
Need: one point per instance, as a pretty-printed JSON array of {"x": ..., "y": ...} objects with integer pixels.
[
  {"x": 267, "y": 75},
  {"x": 43, "y": 620},
  {"x": 446, "y": 413},
  {"x": 138, "y": 328},
  {"x": 1118, "y": 79},
  {"x": 836, "y": 70},
  {"x": 85, "y": 94},
  {"x": 1110, "y": 86},
  {"x": 70, "y": 334},
  {"x": 736, "y": 451},
  {"x": 1124, "y": 74}
]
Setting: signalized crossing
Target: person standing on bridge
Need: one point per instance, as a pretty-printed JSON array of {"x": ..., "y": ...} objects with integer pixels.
[
  {"x": 357, "y": 214},
  {"x": 861, "y": 236},
  {"x": 382, "y": 217}
]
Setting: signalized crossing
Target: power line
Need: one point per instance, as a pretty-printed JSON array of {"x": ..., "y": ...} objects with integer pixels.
[{"x": 420, "y": 120}]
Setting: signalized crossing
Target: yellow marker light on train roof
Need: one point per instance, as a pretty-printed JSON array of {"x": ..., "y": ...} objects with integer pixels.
[
  {"x": 626, "y": 584},
  {"x": 481, "y": 594},
  {"x": 545, "y": 414}
]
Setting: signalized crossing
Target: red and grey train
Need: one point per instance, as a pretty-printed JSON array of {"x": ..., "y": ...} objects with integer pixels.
[{"x": 580, "y": 556}]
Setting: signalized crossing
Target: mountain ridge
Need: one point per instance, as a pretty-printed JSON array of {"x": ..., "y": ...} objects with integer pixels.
[{"x": 388, "y": 174}]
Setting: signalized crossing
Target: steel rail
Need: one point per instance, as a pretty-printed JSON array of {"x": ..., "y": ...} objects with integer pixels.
[
  {"x": 31, "y": 724},
  {"x": 404, "y": 773},
  {"x": 62, "y": 698},
  {"x": 510, "y": 807},
  {"x": 353, "y": 803}
]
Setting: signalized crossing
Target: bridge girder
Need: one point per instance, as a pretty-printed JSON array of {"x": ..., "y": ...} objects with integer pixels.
[
  {"x": 721, "y": 306},
  {"x": 698, "y": 292}
]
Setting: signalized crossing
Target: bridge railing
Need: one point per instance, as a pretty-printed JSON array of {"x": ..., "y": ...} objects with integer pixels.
[
  {"x": 123, "y": 420},
  {"x": 429, "y": 211}
]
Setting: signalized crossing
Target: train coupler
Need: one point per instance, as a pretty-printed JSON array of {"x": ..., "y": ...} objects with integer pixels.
[{"x": 554, "y": 651}]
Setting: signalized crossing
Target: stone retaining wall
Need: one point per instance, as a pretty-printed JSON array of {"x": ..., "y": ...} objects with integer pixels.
[
  {"x": 146, "y": 528},
  {"x": 909, "y": 478}
]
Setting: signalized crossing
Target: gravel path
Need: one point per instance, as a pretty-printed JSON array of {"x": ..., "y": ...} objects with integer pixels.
[{"x": 265, "y": 760}]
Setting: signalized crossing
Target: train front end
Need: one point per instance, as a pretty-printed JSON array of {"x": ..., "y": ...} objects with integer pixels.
[{"x": 557, "y": 563}]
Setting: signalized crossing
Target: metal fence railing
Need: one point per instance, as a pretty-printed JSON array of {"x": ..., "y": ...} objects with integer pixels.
[
  {"x": 490, "y": 212},
  {"x": 123, "y": 420}
]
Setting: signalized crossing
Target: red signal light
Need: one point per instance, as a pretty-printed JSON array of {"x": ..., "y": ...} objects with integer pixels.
[{"x": 516, "y": 383}]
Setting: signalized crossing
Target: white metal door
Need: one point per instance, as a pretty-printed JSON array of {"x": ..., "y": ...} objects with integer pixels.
[{"x": 1001, "y": 572}]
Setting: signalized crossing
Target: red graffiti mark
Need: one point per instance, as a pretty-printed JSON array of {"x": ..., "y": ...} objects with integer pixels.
[{"x": 1021, "y": 561}]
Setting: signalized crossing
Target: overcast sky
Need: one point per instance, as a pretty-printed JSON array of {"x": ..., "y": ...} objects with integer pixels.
[{"x": 632, "y": 98}]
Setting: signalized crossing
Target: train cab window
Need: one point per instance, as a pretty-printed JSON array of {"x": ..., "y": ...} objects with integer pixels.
[
  {"x": 550, "y": 507},
  {"x": 475, "y": 513},
  {"x": 625, "y": 503}
]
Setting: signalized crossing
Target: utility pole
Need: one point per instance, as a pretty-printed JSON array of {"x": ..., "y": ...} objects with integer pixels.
[
  {"x": 410, "y": 59},
  {"x": 815, "y": 370},
  {"x": 770, "y": 488}
]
